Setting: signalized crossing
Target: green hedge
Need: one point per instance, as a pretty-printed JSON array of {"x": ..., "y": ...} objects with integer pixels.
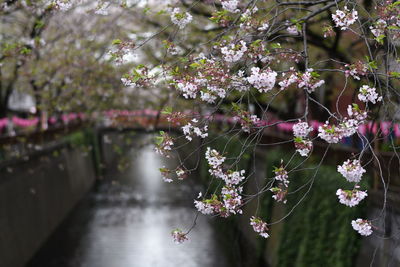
[{"x": 318, "y": 232}]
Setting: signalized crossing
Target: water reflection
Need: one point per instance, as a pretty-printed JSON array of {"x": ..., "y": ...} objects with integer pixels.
[{"x": 128, "y": 223}]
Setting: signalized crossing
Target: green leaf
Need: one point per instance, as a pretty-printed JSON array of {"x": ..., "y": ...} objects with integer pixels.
[
  {"x": 315, "y": 74},
  {"x": 298, "y": 139},
  {"x": 194, "y": 65},
  {"x": 25, "y": 51},
  {"x": 380, "y": 38},
  {"x": 167, "y": 111},
  {"x": 373, "y": 64},
  {"x": 159, "y": 140},
  {"x": 394, "y": 27},
  {"x": 276, "y": 45},
  {"x": 116, "y": 42},
  {"x": 395, "y": 74},
  {"x": 39, "y": 24}
]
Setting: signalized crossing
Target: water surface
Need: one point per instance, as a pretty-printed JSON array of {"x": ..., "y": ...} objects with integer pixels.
[{"x": 126, "y": 222}]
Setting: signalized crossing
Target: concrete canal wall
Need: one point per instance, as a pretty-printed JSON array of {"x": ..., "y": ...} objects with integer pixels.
[{"x": 36, "y": 194}]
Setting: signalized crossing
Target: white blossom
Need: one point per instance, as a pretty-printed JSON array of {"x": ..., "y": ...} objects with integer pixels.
[
  {"x": 309, "y": 81},
  {"x": 188, "y": 89},
  {"x": 234, "y": 178},
  {"x": 189, "y": 130},
  {"x": 127, "y": 82},
  {"x": 351, "y": 170},
  {"x": 303, "y": 146},
  {"x": 354, "y": 112},
  {"x": 233, "y": 53},
  {"x": 368, "y": 94},
  {"x": 263, "y": 27},
  {"x": 259, "y": 226},
  {"x": 292, "y": 30},
  {"x": 181, "y": 19},
  {"x": 350, "y": 198},
  {"x": 63, "y": 5},
  {"x": 343, "y": 19},
  {"x": 232, "y": 200},
  {"x": 230, "y": 5},
  {"x": 281, "y": 175},
  {"x": 263, "y": 81},
  {"x": 211, "y": 94},
  {"x": 302, "y": 129},
  {"x": 204, "y": 208},
  {"x": 288, "y": 81},
  {"x": 178, "y": 236},
  {"x": 363, "y": 227},
  {"x": 214, "y": 159},
  {"x": 379, "y": 27}
]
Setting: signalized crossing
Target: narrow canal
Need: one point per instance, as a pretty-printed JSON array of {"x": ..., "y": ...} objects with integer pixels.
[{"x": 127, "y": 219}]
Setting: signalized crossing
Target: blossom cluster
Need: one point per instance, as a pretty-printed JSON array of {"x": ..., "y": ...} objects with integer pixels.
[
  {"x": 233, "y": 53},
  {"x": 330, "y": 133},
  {"x": 356, "y": 70},
  {"x": 139, "y": 76},
  {"x": 62, "y": 5},
  {"x": 230, "y": 200},
  {"x": 363, "y": 227},
  {"x": 164, "y": 144},
  {"x": 259, "y": 226},
  {"x": 351, "y": 198},
  {"x": 302, "y": 129},
  {"x": 246, "y": 120},
  {"x": 230, "y": 5},
  {"x": 246, "y": 18},
  {"x": 214, "y": 159},
  {"x": 280, "y": 191},
  {"x": 180, "y": 173},
  {"x": 263, "y": 81},
  {"x": 348, "y": 126},
  {"x": 368, "y": 94},
  {"x": 351, "y": 170},
  {"x": 181, "y": 19},
  {"x": 379, "y": 27},
  {"x": 178, "y": 236},
  {"x": 188, "y": 89},
  {"x": 388, "y": 22},
  {"x": 211, "y": 93},
  {"x": 209, "y": 79},
  {"x": 293, "y": 30},
  {"x": 301, "y": 141},
  {"x": 307, "y": 80},
  {"x": 356, "y": 113},
  {"x": 166, "y": 174},
  {"x": 189, "y": 130},
  {"x": 334, "y": 133},
  {"x": 281, "y": 175},
  {"x": 344, "y": 18}
]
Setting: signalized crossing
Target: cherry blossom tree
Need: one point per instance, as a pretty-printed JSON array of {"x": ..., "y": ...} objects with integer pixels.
[
  {"x": 313, "y": 58},
  {"x": 265, "y": 63}
]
